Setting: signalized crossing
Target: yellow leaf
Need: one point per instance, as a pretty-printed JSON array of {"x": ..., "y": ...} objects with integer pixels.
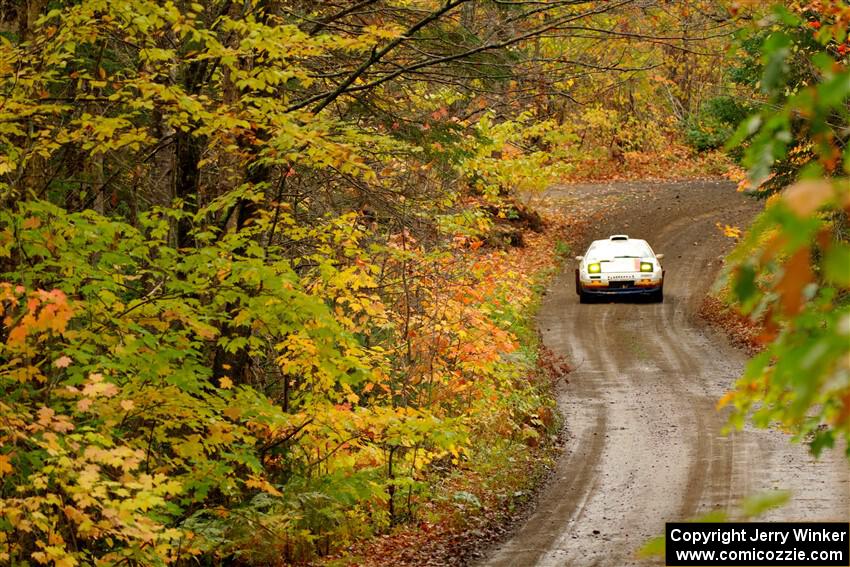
[
  {"x": 225, "y": 382},
  {"x": 262, "y": 484},
  {"x": 5, "y": 466},
  {"x": 232, "y": 412},
  {"x": 729, "y": 231}
]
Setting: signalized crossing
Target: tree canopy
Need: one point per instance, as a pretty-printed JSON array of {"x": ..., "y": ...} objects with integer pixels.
[
  {"x": 254, "y": 282},
  {"x": 792, "y": 271}
]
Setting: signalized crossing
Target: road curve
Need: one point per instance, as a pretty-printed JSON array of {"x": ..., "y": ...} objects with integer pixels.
[{"x": 643, "y": 438}]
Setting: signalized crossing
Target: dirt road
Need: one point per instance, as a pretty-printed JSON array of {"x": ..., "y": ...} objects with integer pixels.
[{"x": 644, "y": 443}]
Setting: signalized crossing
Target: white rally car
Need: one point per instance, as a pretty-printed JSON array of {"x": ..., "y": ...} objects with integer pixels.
[{"x": 620, "y": 265}]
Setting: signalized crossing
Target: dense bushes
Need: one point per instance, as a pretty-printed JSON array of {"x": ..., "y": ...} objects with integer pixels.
[
  {"x": 120, "y": 442},
  {"x": 715, "y": 123},
  {"x": 252, "y": 303},
  {"x": 791, "y": 272}
]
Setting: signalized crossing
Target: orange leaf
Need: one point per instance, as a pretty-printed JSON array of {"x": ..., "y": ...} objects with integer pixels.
[
  {"x": 798, "y": 273},
  {"x": 262, "y": 484},
  {"x": 5, "y": 466},
  {"x": 724, "y": 400},
  {"x": 806, "y": 197},
  {"x": 32, "y": 222}
]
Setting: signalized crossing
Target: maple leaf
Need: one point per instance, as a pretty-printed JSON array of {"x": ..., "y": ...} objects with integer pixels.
[
  {"x": 17, "y": 335},
  {"x": 32, "y": 222},
  {"x": 62, "y": 424},
  {"x": 62, "y": 362},
  {"x": 45, "y": 415},
  {"x": 262, "y": 484}
]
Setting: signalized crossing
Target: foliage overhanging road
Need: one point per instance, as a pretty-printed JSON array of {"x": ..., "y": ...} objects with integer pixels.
[{"x": 644, "y": 443}]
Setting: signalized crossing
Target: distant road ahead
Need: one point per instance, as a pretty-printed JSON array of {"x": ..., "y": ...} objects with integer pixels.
[{"x": 644, "y": 443}]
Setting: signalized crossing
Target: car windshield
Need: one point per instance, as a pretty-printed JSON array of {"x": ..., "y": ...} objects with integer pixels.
[{"x": 611, "y": 249}]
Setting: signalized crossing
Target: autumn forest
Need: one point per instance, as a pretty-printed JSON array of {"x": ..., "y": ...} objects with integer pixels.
[{"x": 269, "y": 270}]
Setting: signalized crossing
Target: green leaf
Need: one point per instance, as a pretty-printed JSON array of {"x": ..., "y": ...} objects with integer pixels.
[
  {"x": 744, "y": 130},
  {"x": 776, "y": 49},
  {"x": 834, "y": 91},
  {"x": 836, "y": 264},
  {"x": 745, "y": 283},
  {"x": 756, "y": 505}
]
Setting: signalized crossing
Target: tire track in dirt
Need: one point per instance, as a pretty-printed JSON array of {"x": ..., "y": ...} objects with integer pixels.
[{"x": 644, "y": 443}]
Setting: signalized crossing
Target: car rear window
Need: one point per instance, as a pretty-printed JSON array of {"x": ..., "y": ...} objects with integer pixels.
[{"x": 618, "y": 249}]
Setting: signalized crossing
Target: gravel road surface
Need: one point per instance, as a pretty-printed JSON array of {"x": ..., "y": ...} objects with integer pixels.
[{"x": 643, "y": 437}]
